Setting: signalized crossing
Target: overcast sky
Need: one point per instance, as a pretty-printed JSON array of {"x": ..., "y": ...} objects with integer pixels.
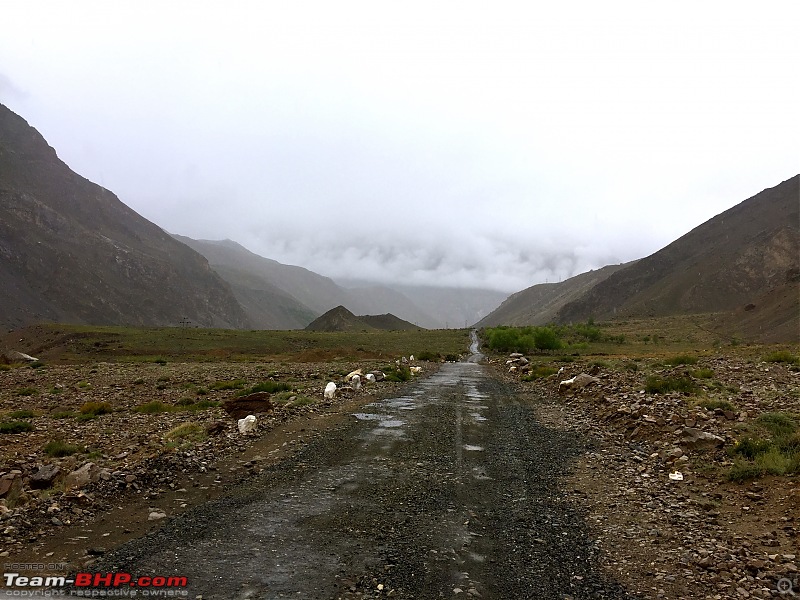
[{"x": 492, "y": 144}]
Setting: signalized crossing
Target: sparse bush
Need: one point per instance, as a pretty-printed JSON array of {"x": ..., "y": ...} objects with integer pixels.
[
  {"x": 15, "y": 427},
  {"x": 37, "y": 364},
  {"x": 266, "y": 386},
  {"x": 63, "y": 414},
  {"x": 782, "y": 356},
  {"x": 235, "y": 384},
  {"x": 95, "y": 408},
  {"x": 681, "y": 359},
  {"x": 21, "y": 414},
  {"x": 452, "y": 357},
  {"x": 710, "y": 404},
  {"x": 27, "y": 391},
  {"x": 59, "y": 448},
  {"x": 779, "y": 424},
  {"x": 138, "y": 381},
  {"x": 190, "y": 432},
  {"x": 750, "y": 448},
  {"x": 302, "y": 401},
  {"x": 160, "y": 361},
  {"x": 742, "y": 471},
  {"x": 538, "y": 372},
  {"x": 702, "y": 374},
  {"x": 662, "y": 385},
  {"x": 428, "y": 356},
  {"x": 202, "y": 405},
  {"x": 395, "y": 373}
]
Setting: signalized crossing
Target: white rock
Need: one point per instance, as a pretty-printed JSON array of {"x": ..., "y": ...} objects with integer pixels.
[
  {"x": 247, "y": 424},
  {"x": 370, "y": 377},
  {"x": 355, "y": 382},
  {"x": 156, "y": 516},
  {"x": 330, "y": 390}
]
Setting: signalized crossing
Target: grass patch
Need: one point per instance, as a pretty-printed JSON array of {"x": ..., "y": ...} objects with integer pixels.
[
  {"x": 772, "y": 447},
  {"x": 63, "y": 414},
  {"x": 782, "y": 356},
  {"x": 302, "y": 401},
  {"x": 538, "y": 372},
  {"x": 84, "y": 384},
  {"x": 235, "y": 384},
  {"x": 59, "y": 448},
  {"x": 266, "y": 386},
  {"x": 27, "y": 391},
  {"x": 95, "y": 409},
  {"x": 202, "y": 405},
  {"x": 663, "y": 385},
  {"x": 185, "y": 435},
  {"x": 710, "y": 404},
  {"x": 15, "y": 427},
  {"x": 37, "y": 364},
  {"x": 702, "y": 374},
  {"x": 681, "y": 359},
  {"x": 21, "y": 414}
]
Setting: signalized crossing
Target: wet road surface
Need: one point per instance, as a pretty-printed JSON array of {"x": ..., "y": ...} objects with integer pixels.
[{"x": 450, "y": 491}]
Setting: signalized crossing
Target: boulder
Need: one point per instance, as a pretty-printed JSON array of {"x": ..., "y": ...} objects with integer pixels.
[
  {"x": 82, "y": 477},
  {"x": 251, "y": 404},
  {"x": 11, "y": 485},
  {"x": 44, "y": 477},
  {"x": 692, "y": 437},
  {"x": 330, "y": 390}
]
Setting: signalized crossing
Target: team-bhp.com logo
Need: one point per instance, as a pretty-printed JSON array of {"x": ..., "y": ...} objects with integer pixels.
[{"x": 100, "y": 581}]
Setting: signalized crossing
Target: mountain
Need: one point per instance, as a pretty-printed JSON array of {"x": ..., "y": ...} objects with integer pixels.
[
  {"x": 743, "y": 265},
  {"x": 540, "y": 304},
  {"x": 726, "y": 263},
  {"x": 279, "y": 296},
  {"x": 72, "y": 252},
  {"x": 264, "y": 287},
  {"x": 440, "y": 307},
  {"x": 341, "y": 319}
]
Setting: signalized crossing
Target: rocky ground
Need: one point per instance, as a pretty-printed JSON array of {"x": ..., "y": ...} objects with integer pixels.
[
  {"x": 653, "y": 485},
  {"x": 125, "y": 469},
  {"x": 694, "y": 534}
]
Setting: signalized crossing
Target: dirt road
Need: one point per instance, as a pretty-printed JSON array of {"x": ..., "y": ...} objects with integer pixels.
[{"x": 450, "y": 491}]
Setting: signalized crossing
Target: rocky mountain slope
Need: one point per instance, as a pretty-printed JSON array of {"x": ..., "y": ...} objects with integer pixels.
[
  {"x": 743, "y": 264},
  {"x": 726, "y": 263},
  {"x": 539, "y": 304},
  {"x": 72, "y": 252}
]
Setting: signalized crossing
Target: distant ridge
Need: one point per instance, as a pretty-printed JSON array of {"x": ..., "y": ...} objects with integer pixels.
[{"x": 341, "y": 319}]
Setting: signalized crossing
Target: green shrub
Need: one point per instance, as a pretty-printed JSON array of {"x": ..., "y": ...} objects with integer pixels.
[
  {"x": 398, "y": 374},
  {"x": 750, "y": 447},
  {"x": 15, "y": 427},
  {"x": 702, "y": 374},
  {"x": 160, "y": 361},
  {"x": 59, "y": 448},
  {"x": 235, "y": 384},
  {"x": 63, "y": 414},
  {"x": 95, "y": 408},
  {"x": 538, "y": 372},
  {"x": 452, "y": 357},
  {"x": 84, "y": 384},
  {"x": 21, "y": 414},
  {"x": 779, "y": 424},
  {"x": 27, "y": 391},
  {"x": 266, "y": 386},
  {"x": 782, "y": 356},
  {"x": 681, "y": 359},
  {"x": 37, "y": 364},
  {"x": 302, "y": 401},
  {"x": 662, "y": 385},
  {"x": 428, "y": 356},
  {"x": 715, "y": 404},
  {"x": 742, "y": 471},
  {"x": 202, "y": 405}
]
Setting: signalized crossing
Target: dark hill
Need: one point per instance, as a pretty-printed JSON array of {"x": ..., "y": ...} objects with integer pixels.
[
  {"x": 742, "y": 256},
  {"x": 341, "y": 319},
  {"x": 72, "y": 252}
]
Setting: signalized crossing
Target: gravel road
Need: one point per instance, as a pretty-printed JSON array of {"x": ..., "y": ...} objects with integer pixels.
[{"x": 450, "y": 491}]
